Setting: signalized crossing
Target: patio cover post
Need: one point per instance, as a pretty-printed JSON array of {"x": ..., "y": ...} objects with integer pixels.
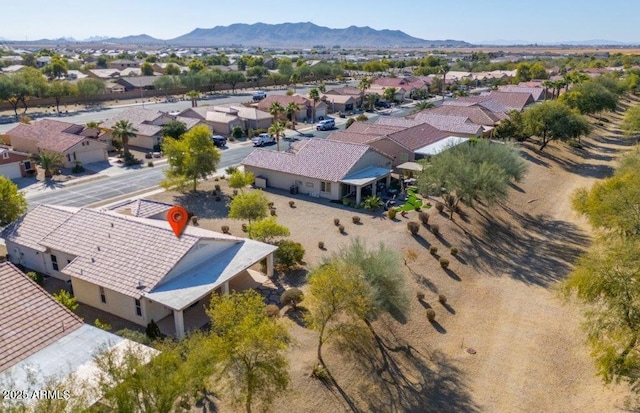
[
  {"x": 178, "y": 319},
  {"x": 270, "y": 265},
  {"x": 358, "y": 194},
  {"x": 374, "y": 188},
  {"x": 388, "y": 180},
  {"x": 225, "y": 288}
]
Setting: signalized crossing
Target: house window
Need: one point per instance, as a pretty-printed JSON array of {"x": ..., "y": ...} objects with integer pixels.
[
  {"x": 138, "y": 308},
  {"x": 74, "y": 156},
  {"x": 325, "y": 187},
  {"x": 5, "y": 155},
  {"x": 54, "y": 262},
  {"x": 27, "y": 165},
  {"x": 103, "y": 296}
]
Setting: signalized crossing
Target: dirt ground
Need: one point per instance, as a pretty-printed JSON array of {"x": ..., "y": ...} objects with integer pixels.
[{"x": 505, "y": 341}]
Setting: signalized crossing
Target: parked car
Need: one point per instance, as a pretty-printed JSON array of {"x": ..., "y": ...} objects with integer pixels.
[
  {"x": 263, "y": 139},
  {"x": 326, "y": 124},
  {"x": 259, "y": 95},
  {"x": 219, "y": 141},
  {"x": 382, "y": 104}
]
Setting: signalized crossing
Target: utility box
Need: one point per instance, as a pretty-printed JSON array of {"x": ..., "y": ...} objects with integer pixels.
[{"x": 260, "y": 182}]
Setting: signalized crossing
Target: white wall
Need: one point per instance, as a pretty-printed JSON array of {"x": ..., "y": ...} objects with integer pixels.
[
  {"x": 154, "y": 311},
  {"x": 118, "y": 304},
  {"x": 28, "y": 257},
  {"x": 281, "y": 180},
  {"x": 63, "y": 260}
]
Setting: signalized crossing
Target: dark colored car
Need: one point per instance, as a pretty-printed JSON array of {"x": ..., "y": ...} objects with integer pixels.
[
  {"x": 382, "y": 104},
  {"x": 219, "y": 141}
]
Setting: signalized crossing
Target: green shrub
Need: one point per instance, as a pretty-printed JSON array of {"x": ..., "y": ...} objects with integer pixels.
[
  {"x": 413, "y": 227},
  {"x": 66, "y": 299},
  {"x": 289, "y": 254},
  {"x": 355, "y": 219},
  {"x": 37, "y": 278},
  {"x": 442, "y": 298},
  {"x": 320, "y": 373},
  {"x": 273, "y": 212},
  {"x": 231, "y": 170},
  {"x": 431, "y": 315},
  {"x": 336, "y": 222},
  {"x": 362, "y": 117},
  {"x": 272, "y": 310},
  {"x": 153, "y": 331},
  {"x": 420, "y": 295},
  {"x": 217, "y": 187},
  {"x": 235, "y": 192},
  {"x": 433, "y": 250},
  {"x": 78, "y": 168},
  {"x": 341, "y": 229},
  {"x": 424, "y": 218},
  {"x": 392, "y": 213},
  {"x": 99, "y": 324},
  {"x": 444, "y": 263},
  {"x": 454, "y": 251},
  {"x": 435, "y": 229},
  {"x": 245, "y": 228},
  {"x": 194, "y": 220},
  {"x": 133, "y": 335},
  {"x": 292, "y": 297},
  {"x": 225, "y": 229},
  {"x": 292, "y": 204},
  {"x": 270, "y": 204},
  {"x": 321, "y": 245},
  {"x": 440, "y": 206}
]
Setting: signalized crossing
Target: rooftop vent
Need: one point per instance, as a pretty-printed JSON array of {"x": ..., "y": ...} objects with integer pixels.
[{"x": 141, "y": 285}]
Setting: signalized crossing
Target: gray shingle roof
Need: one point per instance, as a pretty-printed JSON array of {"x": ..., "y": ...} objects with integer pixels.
[
  {"x": 31, "y": 318},
  {"x": 314, "y": 158}
]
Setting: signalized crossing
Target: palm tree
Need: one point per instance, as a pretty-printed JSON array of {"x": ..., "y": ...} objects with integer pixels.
[
  {"x": 124, "y": 130},
  {"x": 193, "y": 95},
  {"x": 424, "y": 104},
  {"x": 314, "y": 95},
  {"x": 277, "y": 130},
  {"x": 291, "y": 110},
  {"x": 276, "y": 110},
  {"x": 96, "y": 126},
  {"x": 295, "y": 78},
  {"x": 390, "y": 94},
  {"x": 365, "y": 83},
  {"x": 49, "y": 161}
]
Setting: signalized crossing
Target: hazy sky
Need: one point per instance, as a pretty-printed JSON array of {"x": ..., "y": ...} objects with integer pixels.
[{"x": 470, "y": 20}]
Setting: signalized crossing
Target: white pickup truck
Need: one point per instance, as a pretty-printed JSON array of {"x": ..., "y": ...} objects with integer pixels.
[{"x": 263, "y": 139}]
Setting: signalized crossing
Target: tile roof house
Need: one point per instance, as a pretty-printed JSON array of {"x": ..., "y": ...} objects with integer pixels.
[
  {"x": 306, "y": 106},
  {"x": 513, "y": 100},
  {"x": 135, "y": 268},
  {"x": 452, "y": 125},
  {"x": 149, "y": 124},
  {"x": 320, "y": 168},
  {"x": 41, "y": 340},
  {"x": 137, "y": 82},
  {"x": 477, "y": 114},
  {"x": 538, "y": 93},
  {"x": 345, "y": 91},
  {"x": 15, "y": 164},
  {"x": 59, "y": 137},
  {"x": 142, "y": 208},
  {"x": 223, "y": 118}
]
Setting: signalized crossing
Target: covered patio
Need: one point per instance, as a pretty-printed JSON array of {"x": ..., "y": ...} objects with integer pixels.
[
  {"x": 367, "y": 176},
  {"x": 440, "y": 146},
  {"x": 187, "y": 294}
]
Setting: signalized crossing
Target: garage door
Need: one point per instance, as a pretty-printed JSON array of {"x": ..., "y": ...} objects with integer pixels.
[
  {"x": 10, "y": 171},
  {"x": 91, "y": 156}
]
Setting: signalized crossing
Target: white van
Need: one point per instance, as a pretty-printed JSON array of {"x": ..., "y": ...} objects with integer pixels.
[{"x": 326, "y": 124}]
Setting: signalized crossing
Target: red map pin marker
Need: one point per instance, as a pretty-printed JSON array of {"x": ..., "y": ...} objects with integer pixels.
[{"x": 178, "y": 218}]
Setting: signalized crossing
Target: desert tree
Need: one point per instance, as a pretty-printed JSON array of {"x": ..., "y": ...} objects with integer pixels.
[
  {"x": 12, "y": 202},
  {"x": 59, "y": 89},
  {"x": 174, "y": 129},
  {"x": 250, "y": 347},
  {"x": 471, "y": 172},
  {"x": 241, "y": 179},
  {"x": 554, "y": 120},
  {"x": 267, "y": 230},
  {"x": 631, "y": 121},
  {"x": 251, "y": 206},
  {"x": 589, "y": 98},
  {"x": 191, "y": 158}
]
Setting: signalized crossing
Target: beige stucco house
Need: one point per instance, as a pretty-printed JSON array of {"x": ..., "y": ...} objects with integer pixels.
[
  {"x": 321, "y": 168},
  {"x": 64, "y": 138},
  {"x": 133, "y": 266}
]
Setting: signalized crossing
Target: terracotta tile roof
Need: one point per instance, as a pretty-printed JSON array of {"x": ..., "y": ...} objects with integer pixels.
[
  {"x": 353, "y": 137},
  {"x": 314, "y": 158},
  {"x": 417, "y": 136},
  {"x": 106, "y": 243},
  {"x": 31, "y": 318},
  {"x": 50, "y": 135},
  {"x": 481, "y": 100},
  {"x": 136, "y": 116},
  {"x": 399, "y": 122},
  {"x": 346, "y": 90},
  {"x": 143, "y": 208},
  {"x": 373, "y": 128},
  {"x": 339, "y": 98},
  {"x": 536, "y": 92},
  {"x": 513, "y": 100},
  {"x": 476, "y": 114},
  {"x": 284, "y": 100},
  {"x": 31, "y": 228},
  {"x": 452, "y": 124}
]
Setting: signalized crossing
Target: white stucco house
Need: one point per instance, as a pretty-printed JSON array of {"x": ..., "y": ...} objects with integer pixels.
[
  {"x": 321, "y": 168},
  {"x": 131, "y": 266}
]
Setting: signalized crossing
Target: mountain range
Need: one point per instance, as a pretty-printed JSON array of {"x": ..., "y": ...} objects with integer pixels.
[{"x": 280, "y": 35}]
